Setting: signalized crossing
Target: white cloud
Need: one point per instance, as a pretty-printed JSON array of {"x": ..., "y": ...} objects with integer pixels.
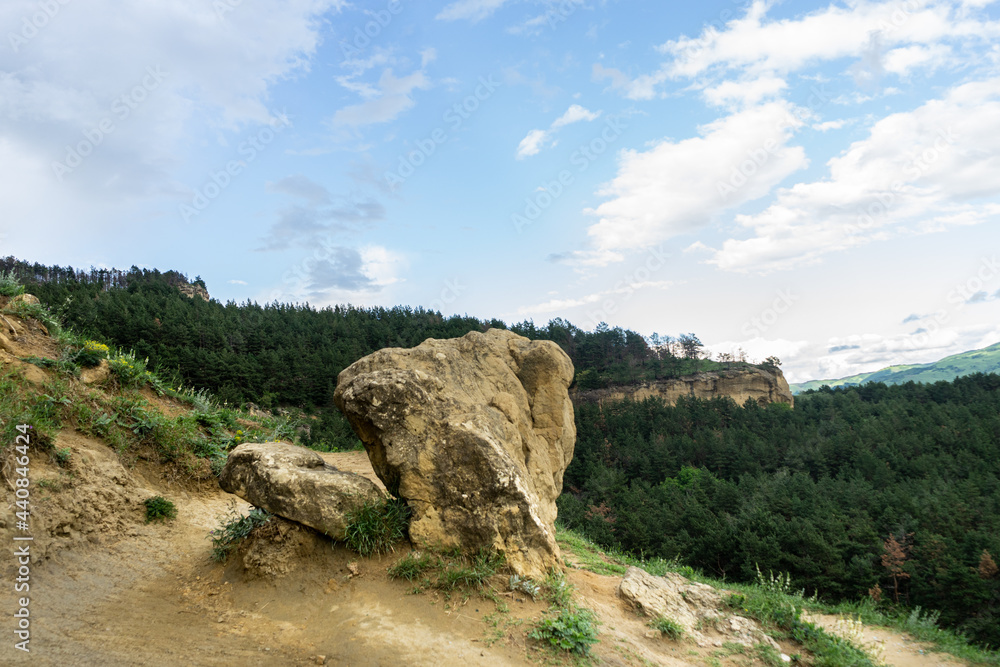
[
  {"x": 575, "y": 114},
  {"x": 829, "y": 125},
  {"x": 830, "y": 33},
  {"x": 532, "y": 144},
  {"x": 917, "y": 172},
  {"x": 762, "y": 48},
  {"x": 904, "y": 59},
  {"x": 744, "y": 93},
  {"x": 535, "y": 140},
  {"x": 390, "y": 98},
  {"x": 471, "y": 10},
  {"x": 58, "y": 86},
  {"x": 679, "y": 187}
]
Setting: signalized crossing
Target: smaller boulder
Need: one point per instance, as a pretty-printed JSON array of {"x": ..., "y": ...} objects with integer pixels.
[
  {"x": 297, "y": 484},
  {"x": 695, "y": 607}
]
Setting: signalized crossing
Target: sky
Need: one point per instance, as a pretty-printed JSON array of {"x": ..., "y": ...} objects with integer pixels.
[{"x": 817, "y": 182}]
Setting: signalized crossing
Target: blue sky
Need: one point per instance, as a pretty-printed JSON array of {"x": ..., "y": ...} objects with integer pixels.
[{"x": 809, "y": 180}]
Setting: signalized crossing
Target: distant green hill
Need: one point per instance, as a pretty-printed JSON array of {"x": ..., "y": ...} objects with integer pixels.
[{"x": 986, "y": 360}]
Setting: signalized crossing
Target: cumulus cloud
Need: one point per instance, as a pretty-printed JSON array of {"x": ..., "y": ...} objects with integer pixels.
[
  {"x": 917, "y": 172},
  {"x": 162, "y": 69},
  {"x": 678, "y": 187},
  {"x": 882, "y": 37}
]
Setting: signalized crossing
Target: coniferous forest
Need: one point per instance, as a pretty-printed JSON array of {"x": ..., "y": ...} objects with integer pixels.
[{"x": 891, "y": 493}]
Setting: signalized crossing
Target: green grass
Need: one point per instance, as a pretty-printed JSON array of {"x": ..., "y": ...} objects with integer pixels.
[
  {"x": 412, "y": 566},
  {"x": 160, "y": 509},
  {"x": 376, "y": 526},
  {"x": 667, "y": 627},
  {"x": 773, "y": 603}
]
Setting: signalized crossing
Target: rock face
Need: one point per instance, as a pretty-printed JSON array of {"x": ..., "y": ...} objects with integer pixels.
[
  {"x": 475, "y": 434},
  {"x": 696, "y": 607},
  {"x": 295, "y": 483},
  {"x": 753, "y": 383}
]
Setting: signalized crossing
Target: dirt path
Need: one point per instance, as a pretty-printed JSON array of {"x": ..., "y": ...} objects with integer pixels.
[
  {"x": 893, "y": 648},
  {"x": 151, "y": 595}
]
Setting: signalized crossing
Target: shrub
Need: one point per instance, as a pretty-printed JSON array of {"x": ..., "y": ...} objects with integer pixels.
[
  {"x": 375, "y": 526},
  {"x": 159, "y": 508},
  {"x": 9, "y": 284},
  {"x": 91, "y": 353},
  {"x": 667, "y": 627},
  {"x": 572, "y": 630},
  {"x": 233, "y": 529},
  {"x": 527, "y": 586},
  {"x": 62, "y": 457}
]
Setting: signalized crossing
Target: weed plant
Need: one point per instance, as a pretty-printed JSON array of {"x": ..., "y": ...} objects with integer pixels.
[
  {"x": 234, "y": 527},
  {"x": 667, "y": 627},
  {"x": 571, "y": 630},
  {"x": 160, "y": 509},
  {"x": 376, "y": 526}
]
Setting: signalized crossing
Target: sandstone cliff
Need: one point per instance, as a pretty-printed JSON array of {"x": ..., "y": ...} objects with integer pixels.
[{"x": 762, "y": 386}]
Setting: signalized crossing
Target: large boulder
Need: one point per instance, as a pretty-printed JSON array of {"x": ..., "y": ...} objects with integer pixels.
[
  {"x": 295, "y": 482},
  {"x": 697, "y": 608},
  {"x": 475, "y": 434}
]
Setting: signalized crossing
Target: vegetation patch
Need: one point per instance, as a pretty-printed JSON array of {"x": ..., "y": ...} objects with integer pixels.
[
  {"x": 376, "y": 526},
  {"x": 234, "y": 527},
  {"x": 159, "y": 509},
  {"x": 571, "y": 630},
  {"x": 667, "y": 627}
]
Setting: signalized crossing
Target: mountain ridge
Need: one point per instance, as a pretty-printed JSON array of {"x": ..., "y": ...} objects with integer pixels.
[{"x": 983, "y": 360}]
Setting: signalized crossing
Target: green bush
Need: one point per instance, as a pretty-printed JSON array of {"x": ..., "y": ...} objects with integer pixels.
[
  {"x": 9, "y": 284},
  {"x": 667, "y": 627},
  {"x": 375, "y": 526},
  {"x": 91, "y": 354},
  {"x": 572, "y": 630},
  {"x": 233, "y": 529},
  {"x": 159, "y": 508}
]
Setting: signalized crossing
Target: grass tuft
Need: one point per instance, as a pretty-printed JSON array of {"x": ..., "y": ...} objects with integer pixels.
[
  {"x": 376, "y": 526},
  {"x": 160, "y": 509},
  {"x": 233, "y": 529}
]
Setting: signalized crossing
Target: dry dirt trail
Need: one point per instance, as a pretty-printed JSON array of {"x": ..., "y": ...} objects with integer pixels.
[{"x": 153, "y": 596}]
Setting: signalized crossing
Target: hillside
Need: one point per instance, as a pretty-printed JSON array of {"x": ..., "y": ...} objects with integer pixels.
[
  {"x": 986, "y": 360},
  {"x": 110, "y": 588}
]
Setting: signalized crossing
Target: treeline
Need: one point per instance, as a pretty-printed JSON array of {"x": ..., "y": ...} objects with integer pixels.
[
  {"x": 892, "y": 492},
  {"x": 277, "y": 354}
]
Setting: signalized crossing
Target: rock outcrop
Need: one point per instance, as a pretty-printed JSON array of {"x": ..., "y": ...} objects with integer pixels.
[
  {"x": 295, "y": 483},
  {"x": 475, "y": 434},
  {"x": 753, "y": 383},
  {"x": 696, "y": 607}
]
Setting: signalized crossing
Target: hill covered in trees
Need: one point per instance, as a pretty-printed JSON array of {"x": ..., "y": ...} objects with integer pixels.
[
  {"x": 283, "y": 355},
  {"x": 891, "y": 492}
]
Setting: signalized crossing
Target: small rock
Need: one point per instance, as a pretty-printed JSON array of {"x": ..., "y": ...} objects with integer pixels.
[
  {"x": 320, "y": 659},
  {"x": 786, "y": 658}
]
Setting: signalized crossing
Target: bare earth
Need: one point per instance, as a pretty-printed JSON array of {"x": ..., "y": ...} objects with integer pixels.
[{"x": 151, "y": 595}]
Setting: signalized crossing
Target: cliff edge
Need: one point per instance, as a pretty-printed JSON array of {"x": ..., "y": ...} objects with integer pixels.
[{"x": 763, "y": 386}]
